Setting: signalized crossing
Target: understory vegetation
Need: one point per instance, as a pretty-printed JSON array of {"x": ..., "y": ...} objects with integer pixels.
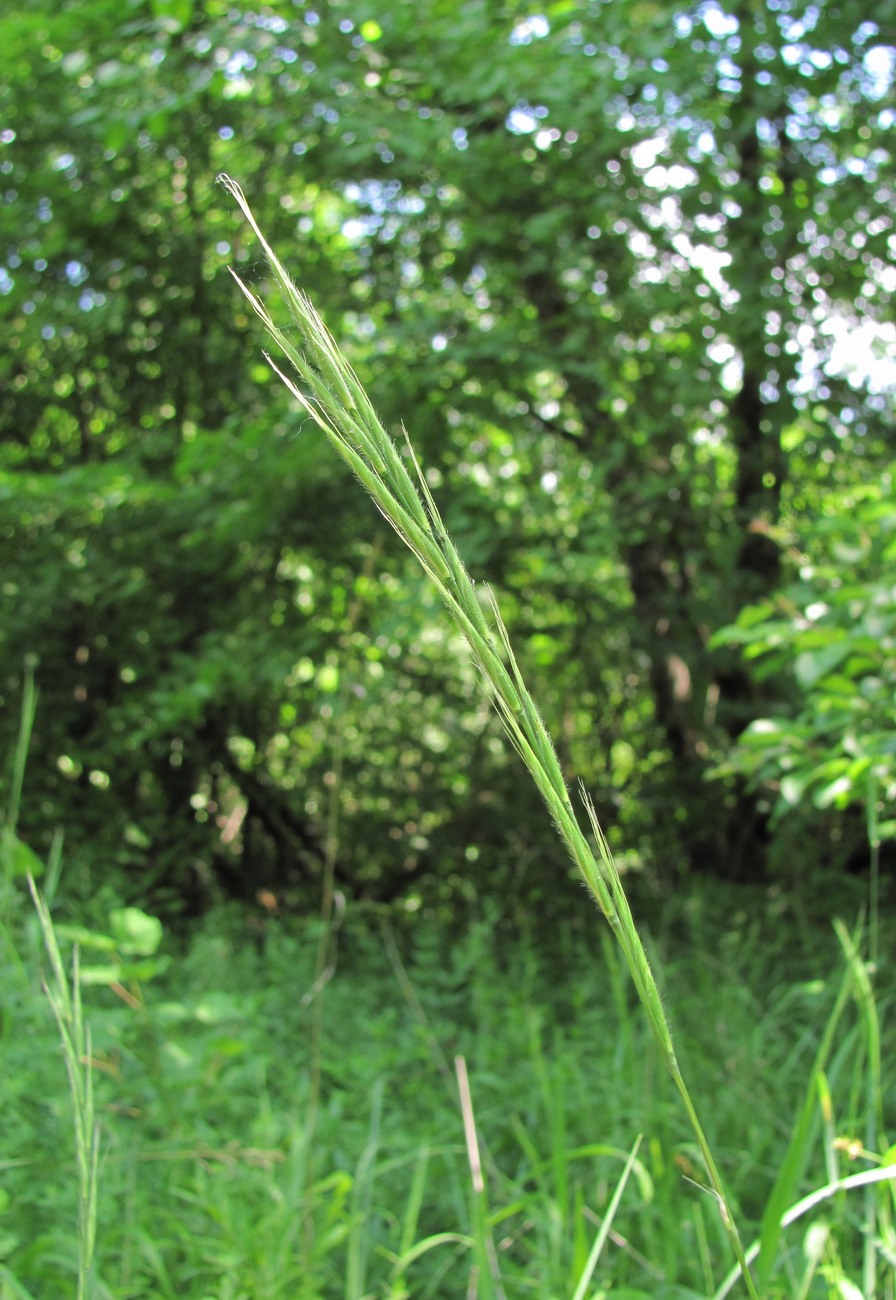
[
  {"x": 625, "y": 270},
  {"x": 243, "y": 1154},
  {"x": 300, "y": 991}
]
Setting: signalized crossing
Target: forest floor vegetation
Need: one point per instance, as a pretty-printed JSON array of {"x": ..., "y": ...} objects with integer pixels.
[{"x": 217, "y": 1177}]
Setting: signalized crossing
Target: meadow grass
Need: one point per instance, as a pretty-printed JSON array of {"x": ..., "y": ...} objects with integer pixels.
[{"x": 208, "y": 1188}]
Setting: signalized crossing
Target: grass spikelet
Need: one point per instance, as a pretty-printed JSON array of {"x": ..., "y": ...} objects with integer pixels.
[{"x": 331, "y": 393}]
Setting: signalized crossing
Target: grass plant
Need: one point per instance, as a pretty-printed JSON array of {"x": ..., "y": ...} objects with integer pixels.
[
  {"x": 259, "y": 1144},
  {"x": 64, "y": 995},
  {"x": 201, "y": 1093},
  {"x": 11, "y": 848},
  {"x": 330, "y": 392},
  {"x": 63, "y": 992}
]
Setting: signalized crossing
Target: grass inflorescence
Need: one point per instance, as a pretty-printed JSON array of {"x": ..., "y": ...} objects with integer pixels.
[
  {"x": 331, "y": 393},
  {"x": 459, "y": 1116}
]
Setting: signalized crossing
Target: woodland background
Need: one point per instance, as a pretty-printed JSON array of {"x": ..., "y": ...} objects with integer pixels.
[{"x": 625, "y": 272}]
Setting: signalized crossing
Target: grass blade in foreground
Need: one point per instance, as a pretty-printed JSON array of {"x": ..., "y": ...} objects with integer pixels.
[
  {"x": 333, "y": 396},
  {"x": 64, "y": 996}
]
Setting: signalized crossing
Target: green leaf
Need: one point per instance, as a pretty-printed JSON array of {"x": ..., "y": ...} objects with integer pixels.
[
  {"x": 135, "y": 931},
  {"x": 793, "y": 788},
  {"x": 833, "y": 792},
  {"x": 217, "y": 1008},
  {"x": 85, "y": 938},
  {"x": 812, "y": 665},
  {"x": 174, "y": 15},
  {"x": 123, "y": 972},
  {"x": 18, "y": 858}
]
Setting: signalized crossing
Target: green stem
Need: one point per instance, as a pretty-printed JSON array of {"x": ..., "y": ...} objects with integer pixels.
[
  {"x": 331, "y": 393},
  {"x": 17, "y": 780}
]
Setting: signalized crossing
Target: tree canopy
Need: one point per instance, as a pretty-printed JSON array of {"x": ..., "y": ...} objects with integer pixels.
[{"x": 624, "y": 270}]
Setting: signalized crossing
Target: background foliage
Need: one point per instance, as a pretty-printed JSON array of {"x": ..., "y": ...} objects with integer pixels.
[{"x": 603, "y": 260}]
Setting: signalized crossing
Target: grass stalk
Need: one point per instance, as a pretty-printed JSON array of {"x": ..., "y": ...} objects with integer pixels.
[
  {"x": 874, "y": 1123},
  {"x": 600, "y": 1240},
  {"x": 362, "y": 1200},
  {"x": 872, "y": 823},
  {"x": 8, "y": 840},
  {"x": 65, "y": 999},
  {"x": 852, "y": 1182},
  {"x": 486, "y": 1270},
  {"x": 10, "y": 847},
  {"x": 332, "y": 395},
  {"x": 793, "y": 1165}
]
